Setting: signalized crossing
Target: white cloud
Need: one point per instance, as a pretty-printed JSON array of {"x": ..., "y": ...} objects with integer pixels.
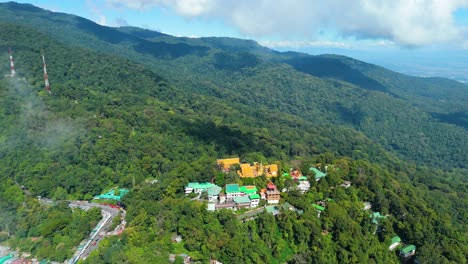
[
  {"x": 304, "y": 44},
  {"x": 102, "y": 20},
  {"x": 405, "y": 22},
  {"x": 121, "y": 22}
]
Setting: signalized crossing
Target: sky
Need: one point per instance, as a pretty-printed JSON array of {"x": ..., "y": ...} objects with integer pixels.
[{"x": 418, "y": 37}]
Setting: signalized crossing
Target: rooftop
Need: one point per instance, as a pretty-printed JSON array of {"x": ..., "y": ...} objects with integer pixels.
[
  {"x": 396, "y": 239},
  {"x": 287, "y": 206},
  {"x": 203, "y": 185},
  {"x": 272, "y": 209},
  {"x": 272, "y": 169},
  {"x": 271, "y": 186},
  {"x": 375, "y": 217},
  {"x": 246, "y": 170},
  {"x": 214, "y": 190},
  {"x": 318, "y": 207},
  {"x": 111, "y": 195},
  {"x": 302, "y": 178},
  {"x": 254, "y": 196},
  {"x": 318, "y": 174},
  {"x": 241, "y": 199},
  {"x": 211, "y": 207},
  {"x": 248, "y": 189},
  {"x": 226, "y": 163},
  {"x": 408, "y": 249},
  {"x": 232, "y": 188}
]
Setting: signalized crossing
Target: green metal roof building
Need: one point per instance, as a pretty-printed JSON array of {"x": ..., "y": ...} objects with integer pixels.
[
  {"x": 203, "y": 185},
  {"x": 249, "y": 189},
  {"x": 408, "y": 250},
  {"x": 396, "y": 239},
  {"x": 214, "y": 190},
  {"x": 111, "y": 195},
  {"x": 272, "y": 209},
  {"x": 318, "y": 207},
  {"x": 232, "y": 188},
  {"x": 318, "y": 174},
  {"x": 376, "y": 216},
  {"x": 254, "y": 196},
  {"x": 241, "y": 199}
]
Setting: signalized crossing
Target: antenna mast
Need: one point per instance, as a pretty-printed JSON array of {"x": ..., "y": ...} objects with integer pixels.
[
  {"x": 46, "y": 76},
  {"x": 12, "y": 64}
]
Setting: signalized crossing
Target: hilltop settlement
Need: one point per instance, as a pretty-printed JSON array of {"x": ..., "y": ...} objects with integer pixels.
[{"x": 255, "y": 189}]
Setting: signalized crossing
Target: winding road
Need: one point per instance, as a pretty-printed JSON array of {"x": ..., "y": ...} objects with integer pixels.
[{"x": 100, "y": 231}]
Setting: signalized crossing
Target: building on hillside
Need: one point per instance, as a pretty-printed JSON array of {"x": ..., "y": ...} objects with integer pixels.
[
  {"x": 408, "y": 251},
  {"x": 257, "y": 170},
  {"x": 288, "y": 207},
  {"x": 272, "y": 194},
  {"x": 225, "y": 164},
  {"x": 396, "y": 241},
  {"x": 271, "y": 170},
  {"x": 197, "y": 187},
  {"x": 304, "y": 184},
  {"x": 112, "y": 194},
  {"x": 213, "y": 193},
  {"x": 254, "y": 200},
  {"x": 318, "y": 174},
  {"x": 246, "y": 171},
  {"x": 319, "y": 209},
  {"x": 176, "y": 238},
  {"x": 346, "y": 184},
  {"x": 272, "y": 209},
  {"x": 226, "y": 206},
  {"x": 376, "y": 217},
  {"x": 242, "y": 201},
  {"x": 295, "y": 173},
  {"x": 211, "y": 207},
  {"x": 232, "y": 190},
  {"x": 248, "y": 189},
  {"x": 222, "y": 198},
  {"x": 263, "y": 194}
]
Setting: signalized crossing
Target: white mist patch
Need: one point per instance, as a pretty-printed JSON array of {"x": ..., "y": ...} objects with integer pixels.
[{"x": 35, "y": 123}]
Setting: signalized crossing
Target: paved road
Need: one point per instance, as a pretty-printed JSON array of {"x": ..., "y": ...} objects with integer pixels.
[{"x": 101, "y": 229}]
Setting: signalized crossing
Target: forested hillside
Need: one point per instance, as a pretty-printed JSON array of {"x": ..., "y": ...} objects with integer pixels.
[
  {"x": 129, "y": 106},
  {"x": 427, "y": 115}
]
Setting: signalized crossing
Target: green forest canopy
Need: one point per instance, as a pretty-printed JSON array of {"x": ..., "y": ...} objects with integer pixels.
[{"x": 111, "y": 121}]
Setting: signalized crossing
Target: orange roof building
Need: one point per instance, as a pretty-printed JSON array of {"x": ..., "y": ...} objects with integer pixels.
[
  {"x": 246, "y": 171},
  {"x": 272, "y": 194},
  {"x": 257, "y": 169},
  {"x": 225, "y": 164},
  {"x": 271, "y": 170}
]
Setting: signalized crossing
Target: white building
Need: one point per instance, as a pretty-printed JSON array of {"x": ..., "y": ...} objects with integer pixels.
[
  {"x": 304, "y": 184},
  {"x": 254, "y": 200}
]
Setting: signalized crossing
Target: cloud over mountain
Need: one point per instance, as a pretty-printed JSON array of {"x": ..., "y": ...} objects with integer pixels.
[{"x": 406, "y": 22}]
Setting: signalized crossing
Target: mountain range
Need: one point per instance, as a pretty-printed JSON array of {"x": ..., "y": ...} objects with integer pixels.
[{"x": 131, "y": 104}]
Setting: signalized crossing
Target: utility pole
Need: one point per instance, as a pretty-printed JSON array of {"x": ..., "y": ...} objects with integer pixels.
[
  {"x": 46, "y": 77},
  {"x": 12, "y": 64}
]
